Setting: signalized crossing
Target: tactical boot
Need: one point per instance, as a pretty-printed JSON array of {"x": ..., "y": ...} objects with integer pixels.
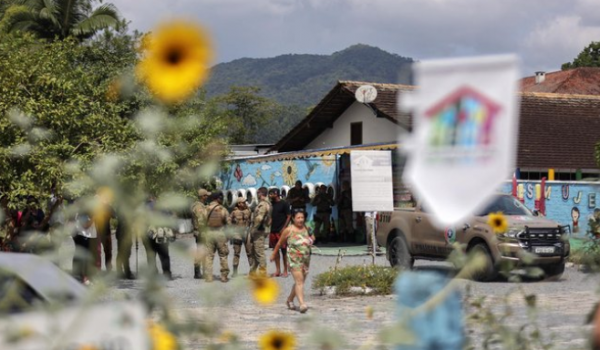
[
  {"x": 234, "y": 272},
  {"x": 197, "y": 274},
  {"x": 224, "y": 279}
]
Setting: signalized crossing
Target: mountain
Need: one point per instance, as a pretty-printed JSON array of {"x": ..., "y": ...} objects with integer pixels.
[{"x": 303, "y": 80}]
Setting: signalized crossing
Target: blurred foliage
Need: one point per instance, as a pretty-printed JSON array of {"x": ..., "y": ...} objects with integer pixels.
[
  {"x": 379, "y": 278},
  {"x": 57, "y": 19},
  {"x": 588, "y": 57}
]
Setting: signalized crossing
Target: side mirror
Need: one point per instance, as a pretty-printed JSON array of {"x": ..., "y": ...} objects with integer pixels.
[
  {"x": 466, "y": 227},
  {"x": 536, "y": 212}
]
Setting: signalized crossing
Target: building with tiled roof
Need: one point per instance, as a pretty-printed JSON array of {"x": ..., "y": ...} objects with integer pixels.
[
  {"x": 556, "y": 131},
  {"x": 578, "y": 81}
]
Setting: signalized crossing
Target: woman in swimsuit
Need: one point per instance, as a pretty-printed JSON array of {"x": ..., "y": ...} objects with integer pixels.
[{"x": 298, "y": 242}]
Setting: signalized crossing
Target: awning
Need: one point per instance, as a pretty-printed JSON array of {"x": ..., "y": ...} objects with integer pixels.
[{"x": 319, "y": 152}]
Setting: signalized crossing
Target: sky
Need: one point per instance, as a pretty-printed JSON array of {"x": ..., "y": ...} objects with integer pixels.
[{"x": 544, "y": 33}]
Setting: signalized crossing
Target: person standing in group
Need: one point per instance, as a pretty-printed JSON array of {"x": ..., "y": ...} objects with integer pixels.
[
  {"x": 298, "y": 197},
  {"x": 84, "y": 235},
  {"x": 261, "y": 218},
  {"x": 102, "y": 215},
  {"x": 156, "y": 242},
  {"x": 299, "y": 244},
  {"x": 216, "y": 239},
  {"x": 199, "y": 222},
  {"x": 323, "y": 202},
  {"x": 124, "y": 237},
  {"x": 344, "y": 202},
  {"x": 240, "y": 218},
  {"x": 280, "y": 218}
]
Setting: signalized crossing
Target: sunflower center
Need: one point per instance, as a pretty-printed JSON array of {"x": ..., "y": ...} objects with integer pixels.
[
  {"x": 259, "y": 283},
  {"x": 498, "y": 222},
  {"x": 277, "y": 343},
  {"x": 289, "y": 170},
  {"x": 174, "y": 56}
]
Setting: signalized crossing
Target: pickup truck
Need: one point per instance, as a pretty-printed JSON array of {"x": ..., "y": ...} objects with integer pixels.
[{"x": 409, "y": 234}]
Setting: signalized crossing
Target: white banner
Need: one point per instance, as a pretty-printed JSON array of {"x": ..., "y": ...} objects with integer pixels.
[
  {"x": 108, "y": 326},
  {"x": 465, "y": 118},
  {"x": 372, "y": 188}
]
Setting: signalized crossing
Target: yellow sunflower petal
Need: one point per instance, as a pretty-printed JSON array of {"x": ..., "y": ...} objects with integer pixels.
[
  {"x": 176, "y": 62},
  {"x": 161, "y": 338},
  {"x": 265, "y": 290},
  {"x": 498, "y": 222},
  {"x": 277, "y": 340}
]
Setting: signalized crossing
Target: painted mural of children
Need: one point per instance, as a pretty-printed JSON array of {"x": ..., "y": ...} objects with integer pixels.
[
  {"x": 594, "y": 224},
  {"x": 575, "y": 214}
]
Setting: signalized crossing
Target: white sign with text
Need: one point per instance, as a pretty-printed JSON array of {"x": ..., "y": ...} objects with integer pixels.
[{"x": 372, "y": 187}]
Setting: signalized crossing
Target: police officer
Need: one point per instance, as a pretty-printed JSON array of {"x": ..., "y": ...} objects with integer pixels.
[
  {"x": 323, "y": 202},
  {"x": 261, "y": 218},
  {"x": 216, "y": 240},
  {"x": 199, "y": 221},
  {"x": 240, "y": 217}
]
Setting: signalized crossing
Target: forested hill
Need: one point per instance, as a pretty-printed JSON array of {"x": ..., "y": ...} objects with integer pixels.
[{"x": 303, "y": 80}]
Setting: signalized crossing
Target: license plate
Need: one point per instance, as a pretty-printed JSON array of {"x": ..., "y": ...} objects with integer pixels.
[{"x": 543, "y": 250}]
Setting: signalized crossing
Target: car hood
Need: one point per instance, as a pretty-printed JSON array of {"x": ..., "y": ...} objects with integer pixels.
[{"x": 523, "y": 220}]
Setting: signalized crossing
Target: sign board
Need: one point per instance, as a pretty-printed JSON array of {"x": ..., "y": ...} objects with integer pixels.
[
  {"x": 107, "y": 326},
  {"x": 465, "y": 118},
  {"x": 372, "y": 188}
]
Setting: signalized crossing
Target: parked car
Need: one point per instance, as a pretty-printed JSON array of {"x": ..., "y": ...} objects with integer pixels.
[
  {"x": 27, "y": 280},
  {"x": 410, "y": 234}
]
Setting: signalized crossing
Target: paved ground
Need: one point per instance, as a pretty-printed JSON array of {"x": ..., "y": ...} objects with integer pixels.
[{"x": 563, "y": 305}]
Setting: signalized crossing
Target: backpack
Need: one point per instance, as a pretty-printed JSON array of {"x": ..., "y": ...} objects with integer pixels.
[{"x": 161, "y": 235}]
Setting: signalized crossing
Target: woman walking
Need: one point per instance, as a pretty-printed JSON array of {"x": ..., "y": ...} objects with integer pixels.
[{"x": 298, "y": 242}]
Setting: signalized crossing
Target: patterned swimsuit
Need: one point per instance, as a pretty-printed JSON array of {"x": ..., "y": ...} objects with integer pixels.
[{"x": 298, "y": 250}]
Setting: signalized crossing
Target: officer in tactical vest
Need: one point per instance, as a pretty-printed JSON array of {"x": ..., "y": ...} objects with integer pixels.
[
  {"x": 240, "y": 218},
  {"x": 216, "y": 239},
  {"x": 261, "y": 218},
  {"x": 199, "y": 221},
  {"x": 323, "y": 202}
]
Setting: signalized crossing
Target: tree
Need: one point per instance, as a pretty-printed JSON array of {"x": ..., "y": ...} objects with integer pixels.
[
  {"x": 247, "y": 112},
  {"x": 589, "y": 57},
  {"x": 60, "y": 19}
]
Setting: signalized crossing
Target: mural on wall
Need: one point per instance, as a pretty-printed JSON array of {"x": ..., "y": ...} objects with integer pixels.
[{"x": 568, "y": 203}]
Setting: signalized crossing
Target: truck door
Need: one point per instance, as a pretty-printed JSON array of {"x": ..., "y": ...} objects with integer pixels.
[{"x": 428, "y": 238}]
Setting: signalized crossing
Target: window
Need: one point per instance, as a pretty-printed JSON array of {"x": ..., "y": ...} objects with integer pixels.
[{"x": 356, "y": 134}]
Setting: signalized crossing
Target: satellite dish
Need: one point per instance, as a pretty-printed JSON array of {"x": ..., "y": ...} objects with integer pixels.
[{"x": 366, "y": 94}]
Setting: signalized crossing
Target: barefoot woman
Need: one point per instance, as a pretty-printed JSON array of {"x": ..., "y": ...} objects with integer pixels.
[{"x": 299, "y": 242}]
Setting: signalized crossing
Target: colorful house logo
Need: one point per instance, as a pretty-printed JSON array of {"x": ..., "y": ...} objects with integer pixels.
[{"x": 465, "y": 119}]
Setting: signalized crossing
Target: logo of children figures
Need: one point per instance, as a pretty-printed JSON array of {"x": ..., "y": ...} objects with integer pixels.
[
  {"x": 465, "y": 119},
  {"x": 450, "y": 235}
]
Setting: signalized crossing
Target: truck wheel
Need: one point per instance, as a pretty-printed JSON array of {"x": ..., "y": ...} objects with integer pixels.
[
  {"x": 399, "y": 255},
  {"x": 554, "y": 272},
  {"x": 489, "y": 271}
]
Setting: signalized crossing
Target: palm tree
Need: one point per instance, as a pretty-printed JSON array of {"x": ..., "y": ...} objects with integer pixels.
[{"x": 59, "y": 19}]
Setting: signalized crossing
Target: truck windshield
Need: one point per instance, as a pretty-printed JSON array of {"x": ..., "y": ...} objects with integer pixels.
[{"x": 507, "y": 205}]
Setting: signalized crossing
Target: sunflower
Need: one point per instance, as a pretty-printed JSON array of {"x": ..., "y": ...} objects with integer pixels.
[
  {"x": 328, "y": 160},
  {"x": 277, "y": 340},
  {"x": 161, "y": 338},
  {"x": 176, "y": 61},
  {"x": 290, "y": 172},
  {"x": 498, "y": 222},
  {"x": 265, "y": 289}
]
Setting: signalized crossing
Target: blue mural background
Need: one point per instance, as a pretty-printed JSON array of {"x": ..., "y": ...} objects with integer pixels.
[{"x": 561, "y": 198}]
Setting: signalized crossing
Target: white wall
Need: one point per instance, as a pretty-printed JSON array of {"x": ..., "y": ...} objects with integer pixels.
[{"x": 375, "y": 130}]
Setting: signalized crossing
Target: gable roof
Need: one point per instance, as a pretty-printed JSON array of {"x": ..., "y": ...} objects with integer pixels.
[
  {"x": 555, "y": 130},
  {"x": 581, "y": 81},
  {"x": 333, "y": 105}
]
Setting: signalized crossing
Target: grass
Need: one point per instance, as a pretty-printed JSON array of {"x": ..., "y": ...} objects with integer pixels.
[{"x": 379, "y": 278}]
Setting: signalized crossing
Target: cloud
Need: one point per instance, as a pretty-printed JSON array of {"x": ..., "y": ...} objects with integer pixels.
[
  {"x": 249, "y": 180},
  {"x": 545, "y": 33},
  {"x": 265, "y": 167},
  {"x": 277, "y": 173}
]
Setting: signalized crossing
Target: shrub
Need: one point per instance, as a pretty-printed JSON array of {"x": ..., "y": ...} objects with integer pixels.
[{"x": 378, "y": 278}]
